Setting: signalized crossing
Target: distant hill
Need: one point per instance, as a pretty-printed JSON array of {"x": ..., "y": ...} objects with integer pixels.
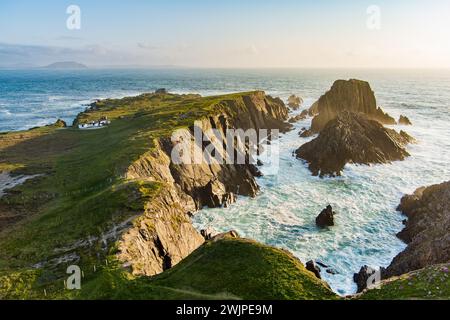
[{"x": 66, "y": 65}]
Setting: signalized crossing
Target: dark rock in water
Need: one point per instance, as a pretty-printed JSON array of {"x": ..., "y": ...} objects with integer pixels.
[
  {"x": 311, "y": 266},
  {"x": 255, "y": 171},
  {"x": 352, "y": 95},
  {"x": 332, "y": 271},
  {"x": 404, "y": 121},
  {"x": 427, "y": 230},
  {"x": 161, "y": 91},
  {"x": 326, "y": 217},
  {"x": 297, "y": 118},
  {"x": 259, "y": 163},
  {"x": 353, "y": 138},
  {"x": 294, "y": 102},
  {"x": 361, "y": 278},
  {"x": 305, "y": 133},
  {"x": 304, "y": 113},
  {"x": 320, "y": 263}
]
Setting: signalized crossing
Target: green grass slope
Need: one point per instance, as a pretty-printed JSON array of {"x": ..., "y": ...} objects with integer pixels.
[
  {"x": 81, "y": 191},
  {"x": 225, "y": 269}
]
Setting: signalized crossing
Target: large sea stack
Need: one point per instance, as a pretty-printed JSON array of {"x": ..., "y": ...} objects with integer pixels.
[
  {"x": 352, "y": 95},
  {"x": 353, "y": 138}
]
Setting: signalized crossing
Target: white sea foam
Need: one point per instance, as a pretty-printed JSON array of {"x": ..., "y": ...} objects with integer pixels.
[{"x": 365, "y": 198}]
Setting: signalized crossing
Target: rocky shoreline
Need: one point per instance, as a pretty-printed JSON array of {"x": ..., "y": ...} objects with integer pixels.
[
  {"x": 192, "y": 187},
  {"x": 159, "y": 235}
]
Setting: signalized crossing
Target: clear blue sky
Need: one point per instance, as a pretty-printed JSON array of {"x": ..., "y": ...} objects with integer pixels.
[{"x": 228, "y": 33}]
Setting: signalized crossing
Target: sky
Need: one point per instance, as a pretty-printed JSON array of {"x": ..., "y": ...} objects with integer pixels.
[{"x": 228, "y": 33}]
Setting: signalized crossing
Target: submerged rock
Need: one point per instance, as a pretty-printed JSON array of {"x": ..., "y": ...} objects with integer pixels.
[
  {"x": 326, "y": 217},
  {"x": 353, "y": 138},
  {"x": 404, "y": 121},
  {"x": 332, "y": 271},
  {"x": 297, "y": 118},
  {"x": 255, "y": 171},
  {"x": 305, "y": 133},
  {"x": 311, "y": 266},
  {"x": 427, "y": 230},
  {"x": 294, "y": 102},
  {"x": 352, "y": 95}
]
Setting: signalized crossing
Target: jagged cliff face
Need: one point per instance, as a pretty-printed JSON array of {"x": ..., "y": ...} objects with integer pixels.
[
  {"x": 427, "y": 231},
  {"x": 164, "y": 235},
  {"x": 352, "y": 95}
]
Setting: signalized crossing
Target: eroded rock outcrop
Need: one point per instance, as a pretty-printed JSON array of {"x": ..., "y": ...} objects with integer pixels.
[
  {"x": 427, "y": 230},
  {"x": 363, "y": 277},
  {"x": 353, "y": 138},
  {"x": 312, "y": 267},
  {"x": 297, "y": 118},
  {"x": 326, "y": 217},
  {"x": 404, "y": 121},
  {"x": 164, "y": 234},
  {"x": 294, "y": 102},
  {"x": 352, "y": 95}
]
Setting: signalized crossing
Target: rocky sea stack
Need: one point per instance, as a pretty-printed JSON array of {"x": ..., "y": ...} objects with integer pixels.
[
  {"x": 326, "y": 218},
  {"x": 352, "y": 95},
  {"x": 294, "y": 102},
  {"x": 353, "y": 138}
]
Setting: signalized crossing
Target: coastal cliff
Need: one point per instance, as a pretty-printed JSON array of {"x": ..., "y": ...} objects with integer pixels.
[
  {"x": 164, "y": 235},
  {"x": 427, "y": 230},
  {"x": 117, "y": 186}
]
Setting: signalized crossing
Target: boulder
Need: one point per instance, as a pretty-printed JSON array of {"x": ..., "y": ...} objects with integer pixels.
[
  {"x": 294, "y": 102},
  {"x": 208, "y": 233},
  {"x": 226, "y": 235},
  {"x": 297, "y": 118},
  {"x": 352, "y": 95},
  {"x": 311, "y": 266},
  {"x": 361, "y": 278},
  {"x": 353, "y": 138},
  {"x": 404, "y": 121},
  {"x": 332, "y": 271},
  {"x": 326, "y": 217},
  {"x": 305, "y": 133},
  {"x": 161, "y": 91}
]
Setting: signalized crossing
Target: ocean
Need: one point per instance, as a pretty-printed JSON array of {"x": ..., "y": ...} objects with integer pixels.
[{"x": 283, "y": 215}]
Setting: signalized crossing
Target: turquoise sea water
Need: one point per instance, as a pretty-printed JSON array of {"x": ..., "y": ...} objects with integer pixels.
[{"x": 283, "y": 214}]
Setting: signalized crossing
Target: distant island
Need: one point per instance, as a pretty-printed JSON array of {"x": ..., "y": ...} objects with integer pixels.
[{"x": 66, "y": 65}]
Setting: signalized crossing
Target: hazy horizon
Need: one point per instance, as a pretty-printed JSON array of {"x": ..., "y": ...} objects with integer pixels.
[{"x": 228, "y": 35}]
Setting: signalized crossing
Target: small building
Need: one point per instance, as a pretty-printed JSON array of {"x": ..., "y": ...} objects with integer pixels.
[{"x": 103, "y": 122}]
